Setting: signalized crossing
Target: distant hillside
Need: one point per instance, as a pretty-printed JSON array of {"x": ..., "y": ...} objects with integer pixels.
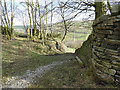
[
  {"x": 78, "y": 31},
  {"x": 19, "y": 29}
]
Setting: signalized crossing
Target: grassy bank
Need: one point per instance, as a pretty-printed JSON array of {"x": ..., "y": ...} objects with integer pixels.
[
  {"x": 21, "y": 54},
  {"x": 69, "y": 75}
]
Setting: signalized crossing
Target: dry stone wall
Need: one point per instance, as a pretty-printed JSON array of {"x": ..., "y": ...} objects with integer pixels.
[{"x": 106, "y": 49}]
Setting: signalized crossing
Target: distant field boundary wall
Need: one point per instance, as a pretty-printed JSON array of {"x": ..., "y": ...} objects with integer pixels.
[{"x": 106, "y": 49}]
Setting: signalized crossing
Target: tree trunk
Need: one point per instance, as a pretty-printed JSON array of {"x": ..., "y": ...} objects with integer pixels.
[
  {"x": 12, "y": 29},
  {"x": 1, "y": 19},
  {"x": 8, "y": 32},
  {"x": 29, "y": 19},
  {"x": 46, "y": 20},
  {"x": 100, "y": 8},
  {"x": 64, "y": 22},
  {"x": 51, "y": 15},
  {"x": 109, "y": 6},
  {"x": 40, "y": 27},
  {"x": 33, "y": 19},
  {"x": 65, "y": 26}
]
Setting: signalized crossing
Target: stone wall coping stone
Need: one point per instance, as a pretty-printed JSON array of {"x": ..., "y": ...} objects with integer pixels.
[{"x": 106, "y": 18}]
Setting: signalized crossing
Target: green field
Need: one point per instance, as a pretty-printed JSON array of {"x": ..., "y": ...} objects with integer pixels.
[{"x": 78, "y": 31}]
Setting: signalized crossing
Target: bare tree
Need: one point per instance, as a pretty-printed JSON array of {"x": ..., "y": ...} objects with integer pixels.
[
  {"x": 64, "y": 21},
  {"x": 12, "y": 27},
  {"x": 7, "y": 20},
  {"x": 51, "y": 15},
  {"x": 33, "y": 19},
  {"x": 35, "y": 26},
  {"x": 8, "y": 31},
  {"x": 46, "y": 26},
  {"x": 40, "y": 24},
  {"x": 28, "y": 9},
  {"x": 65, "y": 15}
]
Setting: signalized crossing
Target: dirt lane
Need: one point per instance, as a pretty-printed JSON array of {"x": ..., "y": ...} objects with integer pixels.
[{"x": 26, "y": 79}]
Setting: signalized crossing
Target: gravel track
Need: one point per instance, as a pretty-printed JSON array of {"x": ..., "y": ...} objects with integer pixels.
[{"x": 26, "y": 79}]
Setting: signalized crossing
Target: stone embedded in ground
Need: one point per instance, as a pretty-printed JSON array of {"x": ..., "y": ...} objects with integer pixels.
[{"x": 104, "y": 77}]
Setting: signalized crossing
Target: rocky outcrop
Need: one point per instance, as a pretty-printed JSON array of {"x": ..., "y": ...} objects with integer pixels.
[
  {"x": 61, "y": 46},
  {"x": 106, "y": 49}
]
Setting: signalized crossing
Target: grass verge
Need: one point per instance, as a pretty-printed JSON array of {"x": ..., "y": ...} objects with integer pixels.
[
  {"x": 21, "y": 54},
  {"x": 69, "y": 75}
]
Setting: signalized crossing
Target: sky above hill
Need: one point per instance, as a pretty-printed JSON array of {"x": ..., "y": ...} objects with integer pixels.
[{"x": 20, "y": 12}]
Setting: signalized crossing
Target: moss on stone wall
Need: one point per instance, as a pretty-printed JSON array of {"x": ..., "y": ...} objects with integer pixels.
[{"x": 84, "y": 52}]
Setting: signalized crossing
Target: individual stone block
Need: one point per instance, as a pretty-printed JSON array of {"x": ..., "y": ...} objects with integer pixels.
[
  {"x": 106, "y": 64},
  {"x": 108, "y": 23},
  {"x": 111, "y": 52},
  {"x": 115, "y": 37},
  {"x": 117, "y": 29},
  {"x": 99, "y": 39},
  {"x": 117, "y": 24},
  {"x": 98, "y": 53},
  {"x": 97, "y": 60},
  {"x": 94, "y": 62},
  {"x": 103, "y": 18},
  {"x": 110, "y": 71},
  {"x": 116, "y": 67},
  {"x": 96, "y": 43},
  {"x": 102, "y": 56},
  {"x": 118, "y": 49},
  {"x": 105, "y": 27},
  {"x": 109, "y": 46},
  {"x": 118, "y": 16},
  {"x": 118, "y": 73},
  {"x": 116, "y": 58},
  {"x": 116, "y": 20},
  {"x": 104, "y": 77},
  {"x": 115, "y": 63},
  {"x": 100, "y": 35},
  {"x": 99, "y": 66},
  {"x": 100, "y": 49},
  {"x": 100, "y": 20},
  {"x": 106, "y": 51},
  {"x": 117, "y": 77},
  {"x": 117, "y": 82},
  {"x": 116, "y": 33},
  {"x": 104, "y": 32},
  {"x": 104, "y": 69},
  {"x": 111, "y": 41}
]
